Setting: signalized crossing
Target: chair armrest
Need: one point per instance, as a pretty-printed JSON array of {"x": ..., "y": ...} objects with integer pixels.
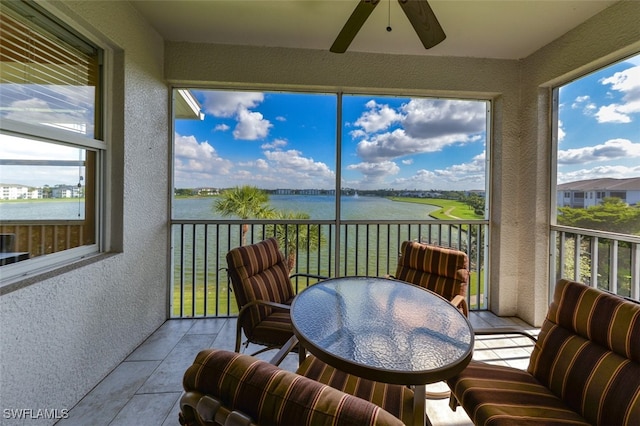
[
  {"x": 275, "y": 305},
  {"x": 197, "y": 408},
  {"x": 503, "y": 330}
]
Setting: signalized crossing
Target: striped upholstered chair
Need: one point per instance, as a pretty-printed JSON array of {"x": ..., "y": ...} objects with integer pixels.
[
  {"x": 227, "y": 388},
  {"x": 263, "y": 291},
  {"x": 442, "y": 270},
  {"x": 584, "y": 368}
]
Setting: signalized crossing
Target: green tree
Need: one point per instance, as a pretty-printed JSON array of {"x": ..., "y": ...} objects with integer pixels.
[
  {"x": 244, "y": 202},
  {"x": 612, "y": 215},
  {"x": 475, "y": 202},
  {"x": 292, "y": 236}
]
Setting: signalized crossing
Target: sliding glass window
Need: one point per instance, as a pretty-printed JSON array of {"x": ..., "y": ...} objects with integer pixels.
[{"x": 51, "y": 140}]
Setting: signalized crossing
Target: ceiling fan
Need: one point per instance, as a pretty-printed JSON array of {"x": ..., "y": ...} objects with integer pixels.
[{"x": 420, "y": 15}]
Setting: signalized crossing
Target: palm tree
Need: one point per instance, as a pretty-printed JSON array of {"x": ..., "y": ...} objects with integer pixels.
[
  {"x": 244, "y": 202},
  {"x": 290, "y": 236}
]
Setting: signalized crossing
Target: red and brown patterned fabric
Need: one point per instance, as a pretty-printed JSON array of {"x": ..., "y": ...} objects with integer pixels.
[
  {"x": 584, "y": 368},
  {"x": 396, "y": 399},
  {"x": 269, "y": 395},
  {"x": 442, "y": 270},
  {"x": 259, "y": 272}
]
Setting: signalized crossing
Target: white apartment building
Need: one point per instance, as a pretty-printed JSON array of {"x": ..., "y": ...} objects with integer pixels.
[
  {"x": 587, "y": 193},
  {"x": 18, "y": 192}
]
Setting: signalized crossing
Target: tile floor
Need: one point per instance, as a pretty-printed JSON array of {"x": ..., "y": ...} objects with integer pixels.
[{"x": 146, "y": 387}]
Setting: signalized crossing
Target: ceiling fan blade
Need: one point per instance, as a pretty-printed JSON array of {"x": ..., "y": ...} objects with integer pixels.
[
  {"x": 353, "y": 25},
  {"x": 424, "y": 22}
]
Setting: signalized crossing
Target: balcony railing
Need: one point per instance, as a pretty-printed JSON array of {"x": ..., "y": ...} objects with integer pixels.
[
  {"x": 39, "y": 238},
  {"x": 201, "y": 288},
  {"x": 603, "y": 260}
]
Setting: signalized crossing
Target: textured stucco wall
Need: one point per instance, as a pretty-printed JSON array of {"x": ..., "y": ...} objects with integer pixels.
[{"x": 60, "y": 336}]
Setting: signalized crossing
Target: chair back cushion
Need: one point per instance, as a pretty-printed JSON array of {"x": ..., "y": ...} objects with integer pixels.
[
  {"x": 272, "y": 396},
  {"x": 588, "y": 353},
  {"x": 442, "y": 270},
  {"x": 259, "y": 272}
]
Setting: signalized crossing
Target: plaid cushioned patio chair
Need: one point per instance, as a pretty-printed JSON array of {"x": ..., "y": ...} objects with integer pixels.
[
  {"x": 442, "y": 270},
  {"x": 227, "y": 388},
  {"x": 584, "y": 368},
  {"x": 263, "y": 291}
]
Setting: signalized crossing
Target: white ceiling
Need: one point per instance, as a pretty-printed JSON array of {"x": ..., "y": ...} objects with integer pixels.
[{"x": 502, "y": 29}]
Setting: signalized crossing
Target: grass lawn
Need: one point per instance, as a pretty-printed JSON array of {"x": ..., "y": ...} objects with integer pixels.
[{"x": 449, "y": 209}]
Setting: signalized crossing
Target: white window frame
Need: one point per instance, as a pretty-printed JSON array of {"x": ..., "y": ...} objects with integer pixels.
[{"x": 12, "y": 273}]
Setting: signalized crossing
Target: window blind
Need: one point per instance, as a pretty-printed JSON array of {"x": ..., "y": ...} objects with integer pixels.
[{"x": 48, "y": 75}]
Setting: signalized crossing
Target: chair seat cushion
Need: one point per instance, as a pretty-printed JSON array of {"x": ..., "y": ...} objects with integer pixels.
[
  {"x": 273, "y": 330},
  {"x": 396, "y": 399},
  {"x": 504, "y": 395}
]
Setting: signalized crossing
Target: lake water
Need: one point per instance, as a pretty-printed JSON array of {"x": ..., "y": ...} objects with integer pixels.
[
  {"x": 42, "y": 210},
  {"x": 317, "y": 206}
]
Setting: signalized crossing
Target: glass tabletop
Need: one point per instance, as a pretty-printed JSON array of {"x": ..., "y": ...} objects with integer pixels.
[{"x": 383, "y": 329}]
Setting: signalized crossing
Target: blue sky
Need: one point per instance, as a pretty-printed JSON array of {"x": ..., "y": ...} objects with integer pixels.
[
  {"x": 287, "y": 140},
  {"x": 599, "y": 129}
]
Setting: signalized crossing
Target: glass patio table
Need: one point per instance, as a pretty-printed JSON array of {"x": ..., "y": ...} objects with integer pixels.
[{"x": 384, "y": 330}]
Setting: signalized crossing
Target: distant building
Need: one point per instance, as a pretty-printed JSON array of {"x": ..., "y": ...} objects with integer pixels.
[
  {"x": 208, "y": 191},
  {"x": 587, "y": 193},
  {"x": 18, "y": 192},
  {"x": 65, "y": 191}
]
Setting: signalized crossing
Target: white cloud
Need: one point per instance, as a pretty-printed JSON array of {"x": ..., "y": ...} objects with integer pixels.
[
  {"x": 276, "y": 144},
  {"x": 610, "y": 150},
  {"x": 616, "y": 172},
  {"x": 579, "y": 101},
  {"x": 584, "y": 103},
  {"x": 197, "y": 163},
  {"x": 378, "y": 117},
  {"x": 398, "y": 144},
  {"x": 426, "y": 125},
  {"x": 472, "y": 171},
  {"x": 373, "y": 173},
  {"x": 376, "y": 170},
  {"x": 613, "y": 113},
  {"x": 227, "y": 104},
  {"x": 457, "y": 176},
  {"x": 626, "y": 82},
  {"x": 251, "y": 125},
  {"x": 292, "y": 170},
  {"x": 428, "y": 118},
  {"x": 561, "y": 132},
  {"x": 262, "y": 164}
]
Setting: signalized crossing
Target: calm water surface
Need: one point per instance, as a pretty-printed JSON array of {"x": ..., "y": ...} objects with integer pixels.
[
  {"x": 317, "y": 206},
  {"x": 42, "y": 210}
]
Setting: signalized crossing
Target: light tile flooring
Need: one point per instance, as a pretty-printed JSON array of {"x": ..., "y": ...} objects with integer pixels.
[{"x": 146, "y": 387}]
